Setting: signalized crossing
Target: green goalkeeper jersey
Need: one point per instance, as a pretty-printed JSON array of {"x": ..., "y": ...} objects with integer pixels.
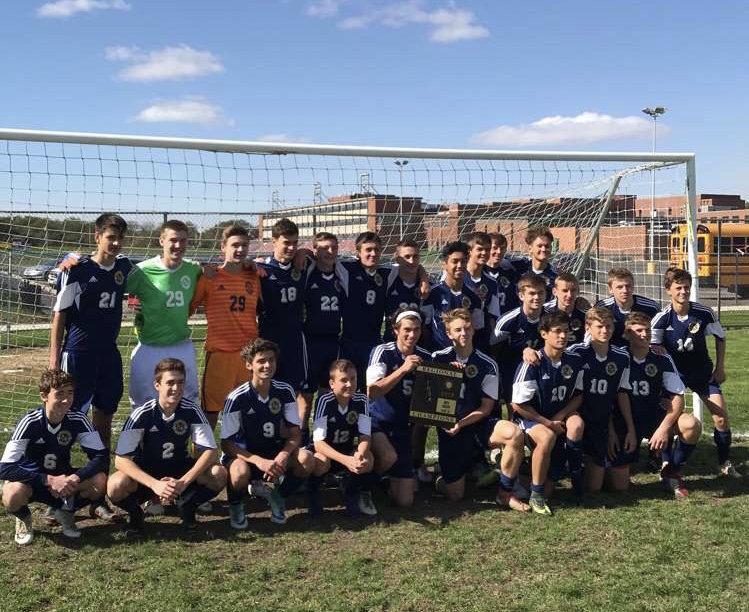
[{"x": 164, "y": 297}]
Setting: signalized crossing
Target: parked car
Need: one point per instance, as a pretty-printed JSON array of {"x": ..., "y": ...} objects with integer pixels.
[{"x": 40, "y": 272}]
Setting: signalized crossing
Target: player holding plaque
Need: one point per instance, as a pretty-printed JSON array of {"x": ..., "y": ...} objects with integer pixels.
[{"x": 474, "y": 430}]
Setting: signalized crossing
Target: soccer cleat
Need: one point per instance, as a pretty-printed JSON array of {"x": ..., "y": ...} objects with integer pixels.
[
  {"x": 104, "y": 512},
  {"x": 520, "y": 491},
  {"x": 727, "y": 469},
  {"x": 494, "y": 457},
  {"x": 539, "y": 506},
  {"x": 205, "y": 508},
  {"x": 673, "y": 482},
  {"x": 153, "y": 507},
  {"x": 655, "y": 462},
  {"x": 277, "y": 507},
  {"x": 423, "y": 474},
  {"x": 351, "y": 503},
  {"x": 507, "y": 499},
  {"x": 49, "y": 516},
  {"x": 66, "y": 519},
  {"x": 136, "y": 525},
  {"x": 315, "y": 507},
  {"x": 440, "y": 486},
  {"x": 366, "y": 505},
  {"x": 237, "y": 516},
  {"x": 24, "y": 531},
  {"x": 187, "y": 515},
  {"x": 258, "y": 488}
]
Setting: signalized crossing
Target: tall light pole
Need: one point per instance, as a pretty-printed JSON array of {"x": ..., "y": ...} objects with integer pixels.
[
  {"x": 654, "y": 113},
  {"x": 401, "y": 164}
]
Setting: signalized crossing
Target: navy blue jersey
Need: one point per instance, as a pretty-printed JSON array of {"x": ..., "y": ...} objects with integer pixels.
[
  {"x": 685, "y": 338},
  {"x": 281, "y": 311},
  {"x": 323, "y": 302},
  {"x": 639, "y": 304},
  {"x": 603, "y": 378},
  {"x": 339, "y": 426},
  {"x": 442, "y": 299},
  {"x": 91, "y": 297},
  {"x": 162, "y": 444},
  {"x": 400, "y": 295},
  {"x": 549, "y": 386},
  {"x": 256, "y": 423},
  {"x": 652, "y": 379},
  {"x": 577, "y": 321},
  {"x": 365, "y": 297},
  {"x": 38, "y": 448},
  {"x": 480, "y": 379},
  {"x": 524, "y": 265},
  {"x": 506, "y": 278},
  {"x": 393, "y": 407},
  {"x": 517, "y": 331}
]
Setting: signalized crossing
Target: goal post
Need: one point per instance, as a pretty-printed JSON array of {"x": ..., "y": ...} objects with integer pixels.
[{"x": 53, "y": 185}]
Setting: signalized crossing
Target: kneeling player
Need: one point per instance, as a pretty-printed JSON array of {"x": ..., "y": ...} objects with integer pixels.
[
  {"x": 260, "y": 437},
  {"x": 342, "y": 416},
  {"x": 657, "y": 400},
  {"x": 545, "y": 398},
  {"x": 153, "y": 453},
  {"x": 475, "y": 431},
  {"x": 36, "y": 461}
]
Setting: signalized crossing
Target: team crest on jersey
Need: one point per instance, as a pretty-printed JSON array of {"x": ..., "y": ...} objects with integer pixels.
[
  {"x": 504, "y": 281},
  {"x": 119, "y": 277},
  {"x": 179, "y": 427},
  {"x": 295, "y": 274},
  {"x": 471, "y": 370},
  {"x": 64, "y": 437},
  {"x": 185, "y": 282},
  {"x": 466, "y": 302},
  {"x": 351, "y": 417},
  {"x": 651, "y": 369},
  {"x": 694, "y": 327},
  {"x": 275, "y": 405},
  {"x": 611, "y": 368},
  {"x": 378, "y": 279},
  {"x": 482, "y": 290},
  {"x": 248, "y": 287},
  {"x": 575, "y": 324},
  {"x": 567, "y": 371}
]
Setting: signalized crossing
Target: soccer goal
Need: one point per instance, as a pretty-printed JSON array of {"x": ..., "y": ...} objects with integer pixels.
[{"x": 604, "y": 209}]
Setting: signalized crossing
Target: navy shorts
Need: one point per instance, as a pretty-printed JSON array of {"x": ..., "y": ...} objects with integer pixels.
[
  {"x": 596, "y": 443},
  {"x": 399, "y": 437},
  {"x": 98, "y": 379},
  {"x": 701, "y": 383},
  {"x": 322, "y": 351},
  {"x": 458, "y": 453},
  {"x": 358, "y": 351},
  {"x": 644, "y": 428},
  {"x": 558, "y": 459}
]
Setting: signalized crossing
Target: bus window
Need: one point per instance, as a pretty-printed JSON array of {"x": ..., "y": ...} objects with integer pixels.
[
  {"x": 700, "y": 244},
  {"x": 726, "y": 245}
]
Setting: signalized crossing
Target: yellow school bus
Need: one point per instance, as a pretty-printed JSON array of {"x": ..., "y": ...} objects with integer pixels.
[{"x": 727, "y": 247}]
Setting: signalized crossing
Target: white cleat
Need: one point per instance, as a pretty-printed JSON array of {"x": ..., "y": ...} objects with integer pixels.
[{"x": 24, "y": 531}]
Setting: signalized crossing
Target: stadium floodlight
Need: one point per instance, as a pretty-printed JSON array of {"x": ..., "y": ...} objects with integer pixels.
[
  {"x": 401, "y": 164},
  {"x": 654, "y": 112}
]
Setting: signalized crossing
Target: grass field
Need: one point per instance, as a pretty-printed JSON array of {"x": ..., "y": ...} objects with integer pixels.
[{"x": 638, "y": 551}]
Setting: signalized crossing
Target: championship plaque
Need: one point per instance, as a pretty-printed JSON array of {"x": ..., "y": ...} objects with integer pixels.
[{"x": 435, "y": 394}]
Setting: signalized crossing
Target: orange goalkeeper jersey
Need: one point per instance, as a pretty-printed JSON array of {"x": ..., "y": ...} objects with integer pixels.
[{"x": 230, "y": 302}]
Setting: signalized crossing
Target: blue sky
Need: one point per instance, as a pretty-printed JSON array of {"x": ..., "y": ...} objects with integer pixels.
[{"x": 567, "y": 75}]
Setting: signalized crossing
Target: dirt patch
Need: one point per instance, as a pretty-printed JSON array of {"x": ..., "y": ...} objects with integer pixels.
[{"x": 23, "y": 366}]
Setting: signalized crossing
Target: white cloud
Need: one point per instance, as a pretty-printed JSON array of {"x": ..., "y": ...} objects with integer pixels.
[
  {"x": 325, "y": 8},
  {"x": 66, "y": 8},
  {"x": 195, "y": 110},
  {"x": 169, "y": 63},
  {"x": 585, "y": 128},
  {"x": 281, "y": 138},
  {"x": 448, "y": 25}
]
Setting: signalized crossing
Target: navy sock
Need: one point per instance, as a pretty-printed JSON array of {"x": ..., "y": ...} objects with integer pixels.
[
  {"x": 22, "y": 513},
  {"x": 681, "y": 453},
  {"x": 667, "y": 454},
  {"x": 129, "y": 504},
  {"x": 537, "y": 489},
  {"x": 202, "y": 494},
  {"x": 505, "y": 482},
  {"x": 574, "y": 454},
  {"x": 313, "y": 483},
  {"x": 290, "y": 484},
  {"x": 233, "y": 495},
  {"x": 723, "y": 442}
]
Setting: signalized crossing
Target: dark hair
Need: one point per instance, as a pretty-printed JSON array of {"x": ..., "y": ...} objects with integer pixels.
[
  {"x": 531, "y": 279},
  {"x": 636, "y": 318},
  {"x": 497, "y": 237},
  {"x": 567, "y": 277},
  {"x": 168, "y": 364},
  {"x": 54, "y": 379},
  {"x": 401, "y": 310},
  {"x": 320, "y": 236},
  {"x": 341, "y": 365},
  {"x": 284, "y": 227},
  {"x": 110, "y": 221},
  {"x": 454, "y": 247},
  {"x": 677, "y": 275},
  {"x": 365, "y": 237},
  {"x": 175, "y": 225},
  {"x": 618, "y": 274},
  {"x": 536, "y": 232},
  {"x": 257, "y": 346},
  {"x": 234, "y": 230},
  {"x": 554, "y": 319},
  {"x": 481, "y": 238},
  {"x": 407, "y": 242}
]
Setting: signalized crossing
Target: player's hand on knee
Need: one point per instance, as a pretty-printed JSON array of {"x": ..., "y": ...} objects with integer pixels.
[{"x": 659, "y": 439}]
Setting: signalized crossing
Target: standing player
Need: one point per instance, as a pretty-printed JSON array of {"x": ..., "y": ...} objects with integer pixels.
[
  {"x": 682, "y": 328},
  {"x": 260, "y": 437},
  {"x": 404, "y": 290},
  {"x": 566, "y": 291},
  {"x": 605, "y": 389},
  {"x": 154, "y": 453},
  {"x": 483, "y": 285},
  {"x": 623, "y": 301},
  {"x": 545, "y": 399},
  {"x": 539, "y": 240},
  {"x": 230, "y": 301},
  {"x": 164, "y": 285},
  {"x": 501, "y": 270},
  {"x": 389, "y": 385},
  {"x": 342, "y": 437},
  {"x": 281, "y": 314},
  {"x": 88, "y": 311},
  {"x": 450, "y": 294},
  {"x": 36, "y": 461},
  {"x": 657, "y": 400},
  {"x": 323, "y": 301},
  {"x": 475, "y": 430}
]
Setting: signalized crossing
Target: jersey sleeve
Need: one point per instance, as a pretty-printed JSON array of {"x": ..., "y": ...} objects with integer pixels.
[
  {"x": 377, "y": 368},
  {"x": 291, "y": 411},
  {"x": 657, "y": 328},
  {"x": 131, "y": 436},
  {"x": 672, "y": 382},
  {"x": 364, "y": 424},
  {"x": 490, "y": 385},
  {"x": 231, "y": 418},
  {"x": 201, "y": 432},
  {"x": 201, "y": 292},
  {"x": 427, "y": 308},
  {"x": 624, "y": 384},
  {"x": 69, "y": 290},
  {"x": 11, "y": 467},
  {"x": 525, "y": 385},
  {"x": 320, "y": 424},
  {"x": 342, "y": 272},
  {"x": 98, "y": 456},
  {"x": 477, "y": 318}
]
